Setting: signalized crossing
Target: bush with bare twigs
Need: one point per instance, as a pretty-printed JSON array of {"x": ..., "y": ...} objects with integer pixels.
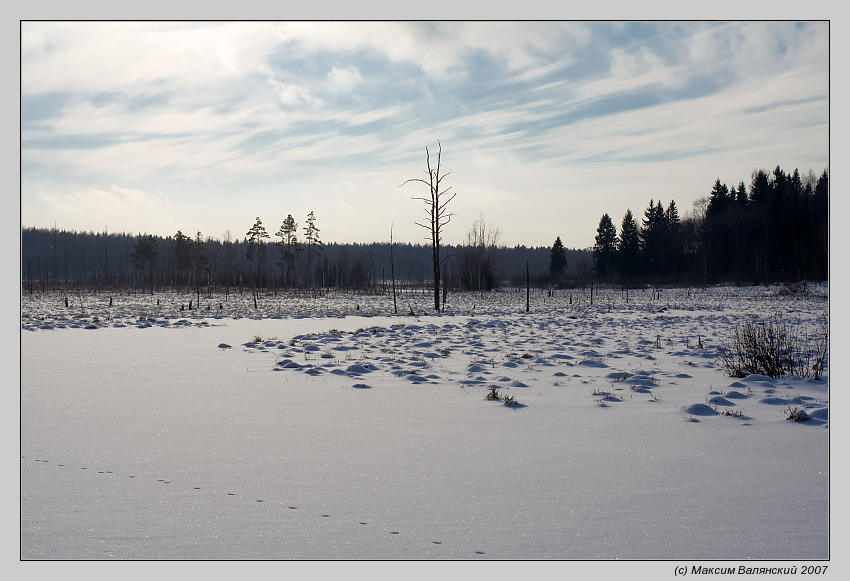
[{"x": 775, "y": 347}]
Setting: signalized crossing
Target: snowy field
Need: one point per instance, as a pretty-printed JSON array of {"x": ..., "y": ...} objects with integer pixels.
[{"x": 328, "y": 428}]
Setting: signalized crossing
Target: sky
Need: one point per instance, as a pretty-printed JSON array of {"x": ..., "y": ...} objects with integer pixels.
[{"x": 155, "y": 127}]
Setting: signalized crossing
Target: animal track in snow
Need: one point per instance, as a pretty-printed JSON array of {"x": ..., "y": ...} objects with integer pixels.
[{"x": 234, "y": 494}]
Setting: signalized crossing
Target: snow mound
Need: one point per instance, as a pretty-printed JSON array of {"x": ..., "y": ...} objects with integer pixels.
[
  {"x": 719, "y": 400},
  {"x": 774, "y": 400},
  {"x": 358, "y": 369},
  {"x": 820, "y": 414},
  {"x": 700, "y": 409},
  {"x": 592, "y": 363},
  {"x": 643, "y": 382},
  {"x": 756, "y": 377}
]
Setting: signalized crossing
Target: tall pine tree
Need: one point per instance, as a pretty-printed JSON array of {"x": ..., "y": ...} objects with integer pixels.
[
  {"x": 288, "y": 246},
  {"x": 314, "y": 244},
  {"x": 256, "y": 238}
]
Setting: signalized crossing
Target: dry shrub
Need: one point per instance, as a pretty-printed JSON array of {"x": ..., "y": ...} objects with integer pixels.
[{"x": 775, "y": 347}]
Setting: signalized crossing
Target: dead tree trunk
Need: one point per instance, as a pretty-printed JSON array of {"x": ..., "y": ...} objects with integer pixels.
[
  {"x": 392, "y": 271},
  {"x": 438, "y": 216}
]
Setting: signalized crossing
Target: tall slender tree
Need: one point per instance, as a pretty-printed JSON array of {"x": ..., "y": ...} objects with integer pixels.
[
  {"x": 628, "y": 247},
  {"x": 652, "y": 238},
  {"x": 673, "y": 244},
  {"x": 719, "y": 221},
  {"x": 314, "y": 244},
  {"x": 436, "y": 201},
  {"x": 256, "y": 238},
  {"x": 200, "y": 263},
  {"x": 288, "y": 247},
  {"x": 605, "y": 249},
  {"x": 182, "y": 257},
  {"x": 758, "y": 225}
]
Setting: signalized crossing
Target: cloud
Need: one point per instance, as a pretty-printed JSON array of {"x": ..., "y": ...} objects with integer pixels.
[
  {"x": 227, "y": 55},
  {"x": 345, "y": 79},
  {"x": 197, "y": 111},
  {"x": 289, "y": 94},
  {"x": 114, "y": 205}
]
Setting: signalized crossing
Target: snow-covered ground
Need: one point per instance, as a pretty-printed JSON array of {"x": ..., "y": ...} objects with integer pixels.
[{"x": 330, "y": 428}]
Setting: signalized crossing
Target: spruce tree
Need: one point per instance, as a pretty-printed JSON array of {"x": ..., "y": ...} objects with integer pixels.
[
  {"x": 605, "y": 249},
  {"x": 652, "y": 238},
  {"x": 673, "y": 244},
  {"x": 760, "y": 188},
  {"x": 628, "y": 247},
  {"x": 719, "y": 230},
  {"x": 718, "y": 200},
  {"x": 557, "y": 261},
  {"x": 758, "y": 225},
  {"x": 741, "y": 195}
]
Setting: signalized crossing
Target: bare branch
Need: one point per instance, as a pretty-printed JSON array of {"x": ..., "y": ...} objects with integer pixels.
[
  {"x": 444, "y": 204},
  {"x": 415, "y": 180}
]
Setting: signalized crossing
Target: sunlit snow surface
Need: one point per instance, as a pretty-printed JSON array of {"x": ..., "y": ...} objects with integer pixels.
[{"x": 328, "y": 427}]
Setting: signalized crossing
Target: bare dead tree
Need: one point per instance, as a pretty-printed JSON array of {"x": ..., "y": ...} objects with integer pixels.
[
  {"x": 392, "y": 270},
  {"x": 435, "y": 209}
]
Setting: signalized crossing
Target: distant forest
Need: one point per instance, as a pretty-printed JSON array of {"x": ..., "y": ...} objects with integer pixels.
[
  {"x": 775, "y": 230},
  {"x": 59, "y": 259}
]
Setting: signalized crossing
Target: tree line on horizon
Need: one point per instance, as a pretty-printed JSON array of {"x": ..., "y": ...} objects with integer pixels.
[
  {"x": 775, "y": 230},
  {"x": 292, "y": 258}
]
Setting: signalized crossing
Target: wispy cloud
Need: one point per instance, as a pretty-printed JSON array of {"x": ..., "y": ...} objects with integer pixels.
[{"x": 545, "y": 125}]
